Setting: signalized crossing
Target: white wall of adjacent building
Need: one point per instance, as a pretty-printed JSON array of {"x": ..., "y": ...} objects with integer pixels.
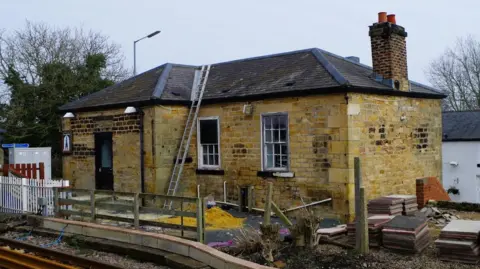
[{"x": 460, "y": 160}]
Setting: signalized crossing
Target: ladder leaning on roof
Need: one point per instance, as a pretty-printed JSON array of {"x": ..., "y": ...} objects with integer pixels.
[{"x": 187, "y": 134}]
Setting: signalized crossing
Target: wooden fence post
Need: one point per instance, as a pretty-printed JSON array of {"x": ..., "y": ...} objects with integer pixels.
[
  {"x": 363, "y": 224},
  {"x": 268, "y": 204},
  {"x": 136, "y": 211},
  {"x": 200, "y": 234},
  {"x": 56, "y": 203},
  {"x": 181, "y": 217},
  {"x": 92, "y": 205},
  {"x": 239, "y": 191},
  {"x": 250, "y": 198}
]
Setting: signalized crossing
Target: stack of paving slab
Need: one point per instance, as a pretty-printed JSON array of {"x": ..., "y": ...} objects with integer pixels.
[
  {"x": 375, "y": 226},
  {"x": 385, "y": 206},
  {"x": 407, "y": 234},
  {"x": 333, "y": 233},
  {"x": 459, "y": 242},
  {"x": 410, "y": 206}
]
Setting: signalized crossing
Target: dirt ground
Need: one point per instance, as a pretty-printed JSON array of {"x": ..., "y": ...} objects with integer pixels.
[{"x": 330, "y": 256}]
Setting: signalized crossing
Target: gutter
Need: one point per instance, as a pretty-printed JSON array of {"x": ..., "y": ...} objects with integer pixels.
[{"x": 342, "y": 89}]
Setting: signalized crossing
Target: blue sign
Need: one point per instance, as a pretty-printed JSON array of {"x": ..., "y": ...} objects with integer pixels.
[{"x": 7, "y": 146}]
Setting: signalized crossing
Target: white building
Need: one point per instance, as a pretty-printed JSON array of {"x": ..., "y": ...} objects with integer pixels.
[{"x": 461, "y": 155}]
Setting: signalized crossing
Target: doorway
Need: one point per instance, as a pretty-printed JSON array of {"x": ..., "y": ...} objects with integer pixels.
[{"x": 103, "y": 161}]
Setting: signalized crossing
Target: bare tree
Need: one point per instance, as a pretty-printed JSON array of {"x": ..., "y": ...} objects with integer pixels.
[
  {"x": 457, "y": 74},
  {"x": 29, "y": 49}
]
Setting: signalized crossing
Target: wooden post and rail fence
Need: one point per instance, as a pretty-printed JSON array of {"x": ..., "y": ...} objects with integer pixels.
[{"x": 93, "y": 200}]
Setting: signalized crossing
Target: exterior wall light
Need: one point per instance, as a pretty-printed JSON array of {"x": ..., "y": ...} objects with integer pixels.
[{"x": 69, "y": 115}]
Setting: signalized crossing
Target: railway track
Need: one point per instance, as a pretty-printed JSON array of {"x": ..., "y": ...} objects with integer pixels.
[{"x": 42, "y": 258}]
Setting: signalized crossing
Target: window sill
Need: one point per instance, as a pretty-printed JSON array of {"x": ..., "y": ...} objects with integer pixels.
[
  {"x": 210, "y": 172},
  {"x": 282, "y": 174}
]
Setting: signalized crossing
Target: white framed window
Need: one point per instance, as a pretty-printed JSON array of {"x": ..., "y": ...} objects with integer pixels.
[
  {"x": 208, "y": 133},
  {"x": 275, "y": 148}
]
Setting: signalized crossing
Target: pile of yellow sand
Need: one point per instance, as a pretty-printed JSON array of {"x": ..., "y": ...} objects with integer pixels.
[{"x": 215, "y": 219}]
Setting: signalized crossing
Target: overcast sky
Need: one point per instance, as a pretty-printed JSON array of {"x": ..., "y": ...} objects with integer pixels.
[{"x": 209, "y": 31}]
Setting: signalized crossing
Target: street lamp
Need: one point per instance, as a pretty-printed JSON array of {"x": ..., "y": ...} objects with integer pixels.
[{"x": 135, "y": 50}]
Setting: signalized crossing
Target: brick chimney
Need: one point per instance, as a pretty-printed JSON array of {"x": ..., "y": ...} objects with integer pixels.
[{"x": 389, "y": 52}]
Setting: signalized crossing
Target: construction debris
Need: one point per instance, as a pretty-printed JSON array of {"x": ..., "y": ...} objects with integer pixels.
[
  {"x": 333, "y": 233},
  {"x": 437, "y": 216},
  {"x": 458, "y": 242},
  {"x": 406, "y": 234},
  {"x": 215, "y": 219},
  {"x": 375, "y": 225}
]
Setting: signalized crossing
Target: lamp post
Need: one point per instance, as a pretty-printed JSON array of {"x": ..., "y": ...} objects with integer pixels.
[{"x": 135, "y": 50}]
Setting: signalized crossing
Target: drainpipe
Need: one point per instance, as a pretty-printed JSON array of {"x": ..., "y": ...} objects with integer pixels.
[{"x": 142, "y": 155}]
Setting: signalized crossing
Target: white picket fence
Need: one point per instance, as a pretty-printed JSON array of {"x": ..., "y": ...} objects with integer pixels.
[{"x": 20, "y": 195}]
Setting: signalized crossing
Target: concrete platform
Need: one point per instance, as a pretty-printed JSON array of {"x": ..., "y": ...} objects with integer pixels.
[{"x": 195, "y": 250}]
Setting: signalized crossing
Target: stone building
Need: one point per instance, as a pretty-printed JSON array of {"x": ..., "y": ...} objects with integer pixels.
[{"x": 296, "y": 119}]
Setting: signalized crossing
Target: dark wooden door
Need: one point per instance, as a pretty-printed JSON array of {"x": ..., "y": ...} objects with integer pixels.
[{"x": 103, "y": 161}]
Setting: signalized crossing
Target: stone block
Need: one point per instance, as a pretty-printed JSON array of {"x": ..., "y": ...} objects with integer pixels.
[
  {"x": 136, "y": 239},
  {"x": 106, "y": 234},
  {"x": 53, "y": 225},
  {"x": 174, "y": 247},
  {"x": 338, "y": 175},
  {"x": 149, "y": 241}
]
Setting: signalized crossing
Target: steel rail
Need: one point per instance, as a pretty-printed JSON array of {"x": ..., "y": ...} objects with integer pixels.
[
  {"x": 13, "y": 259},
  {"x": 51, "y": 254}
]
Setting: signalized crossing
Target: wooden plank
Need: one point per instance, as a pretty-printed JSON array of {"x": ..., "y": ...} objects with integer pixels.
[
  {"x": 34, "y": 171},
  {"x": 69, "y": 189},
  {"x": 114, "y": 218},
  {"x": 23, "y": 169},
  {"x": 107, "y": 192},
  {"x": 92, "y": 205},
  {"x": 136, "y": 211},
  {"x": 113, "y": 206},
  {"x": 268, "y": 204},
  {"x": 173, "y": 198},
  {"x": 66, "y": 213},
  {"x": 167, "y": 211},
  {"x": 280, "y": 214},
  {"x": 42, "y": 170},
  {"x": 29, "y": 170},
  {"x": 142, "y": 222},
  {"x": 166, "y": 225},
  {"x": 65, "y": 201}
]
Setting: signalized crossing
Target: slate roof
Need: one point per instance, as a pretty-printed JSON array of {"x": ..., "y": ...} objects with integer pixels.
[
  {"x": 461, "y": 125},
  {"x": 311, "y": 70}
]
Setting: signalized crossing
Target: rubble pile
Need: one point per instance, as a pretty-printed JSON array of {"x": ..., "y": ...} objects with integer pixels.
[
  {"x": 437, "y": 216},
  {"x": 406, "y": 234},
  {"x": 333, "y": 233},
  {"x": 459, "y": 242}
]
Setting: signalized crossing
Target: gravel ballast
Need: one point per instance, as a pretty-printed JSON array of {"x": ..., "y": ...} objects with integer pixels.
[{"x": 105, "y": 257}]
